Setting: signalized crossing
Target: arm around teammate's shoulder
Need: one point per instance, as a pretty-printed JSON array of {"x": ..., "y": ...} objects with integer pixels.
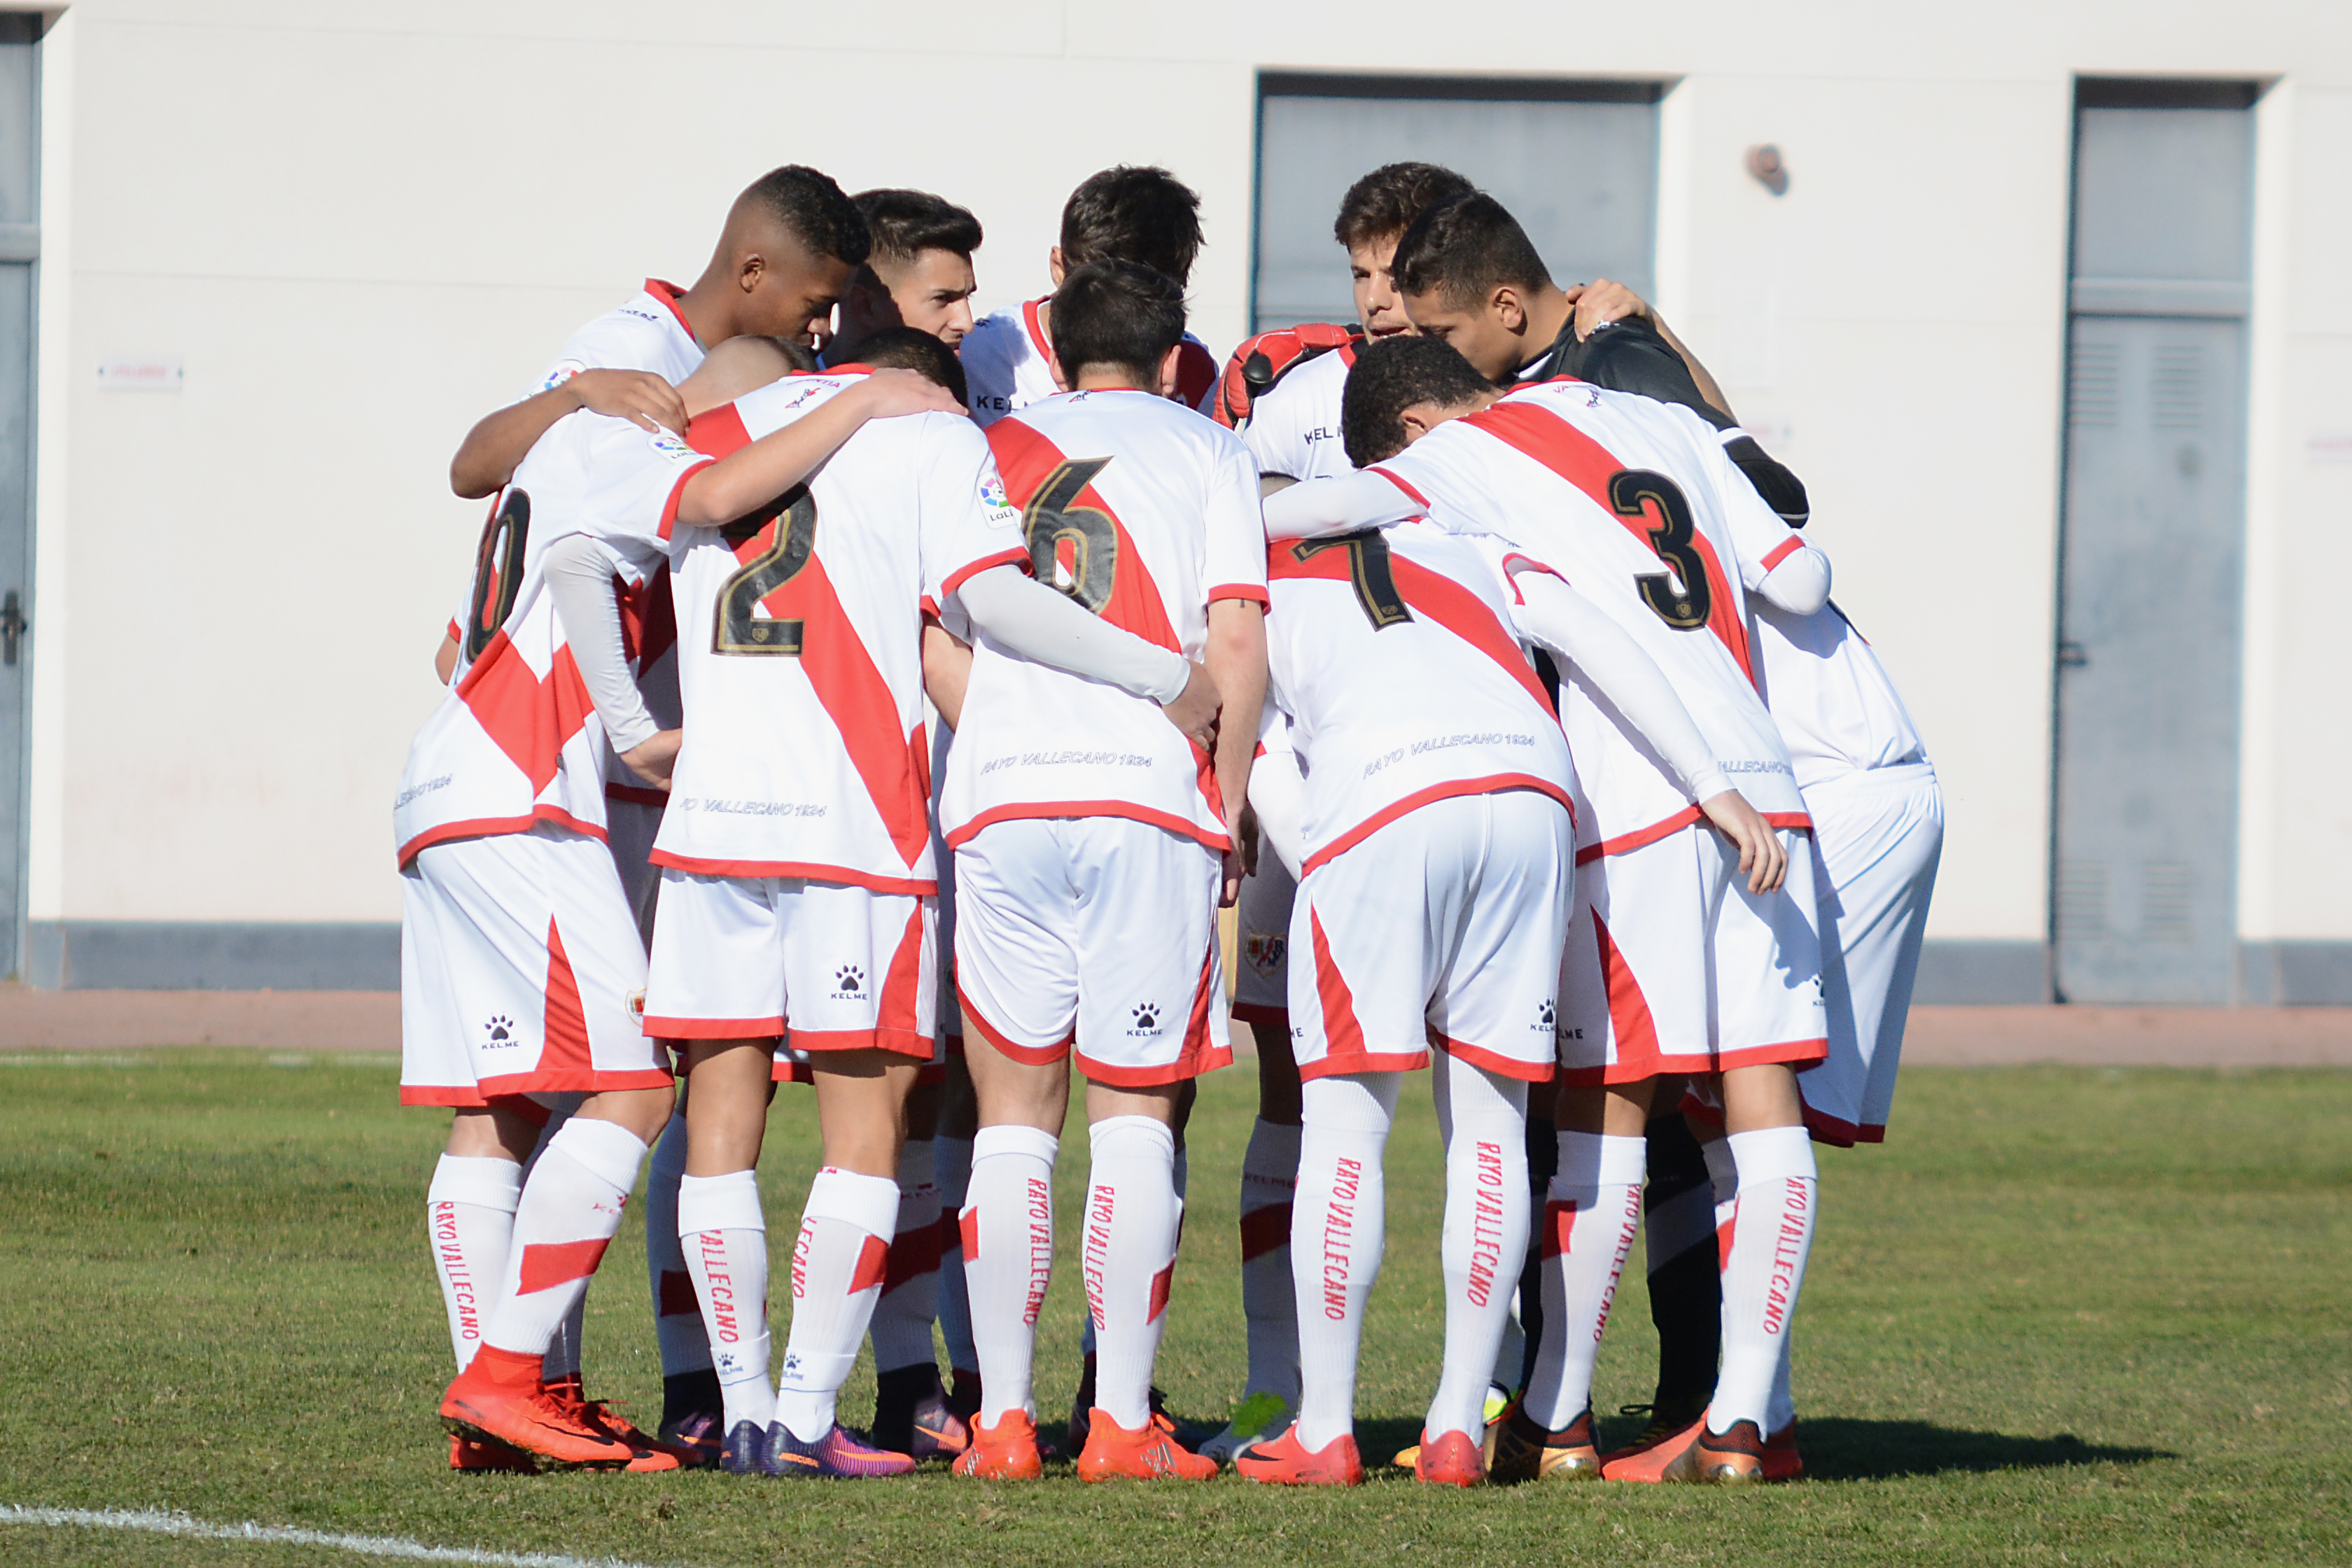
[
  {"x": 1799, "y": 582},
  {"x": 498, "y": 444},
  {"x": 755, "y": 474}
]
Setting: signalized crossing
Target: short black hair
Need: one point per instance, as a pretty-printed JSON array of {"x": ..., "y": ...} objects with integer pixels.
[
  {"x": 1117, "y": 313},
  {"x": 1392, "y": 375},
  {"x": 1133, "y": 213},
  {"x": 1463, "y": 247},
  {"x": 819, "y": 213},
  {"x": 796, "y": 354},
  {"x": 904, "y": 224},
  {"x": 1385, "y": 202},
  {"x": 909, "y": 348}
]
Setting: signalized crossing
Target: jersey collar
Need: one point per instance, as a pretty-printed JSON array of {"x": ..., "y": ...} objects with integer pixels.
[
  {"x": 669, "y": 294},
  {"x": 1029, "y": 319}
]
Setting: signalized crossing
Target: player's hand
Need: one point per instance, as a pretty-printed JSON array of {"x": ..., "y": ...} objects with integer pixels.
[
  {"x": 639, "y": 397},
  {"x": 652, "y": 760},
  {"x": 892, "y": 392},
  {"x": 1599, "y": 302},
  {"x": 1230, "y": 893},
  {"x": 1194, "y": 712},
  {"x": 1245, "y": 839},
  {"x": 1761, "y": 855}
]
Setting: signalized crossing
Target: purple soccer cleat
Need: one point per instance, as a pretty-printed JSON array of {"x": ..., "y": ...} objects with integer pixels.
[
  {"x": 839, "y": 1456},
  {"x": 746, "y": 1450},
  {"x": 698, "y": 1434}
]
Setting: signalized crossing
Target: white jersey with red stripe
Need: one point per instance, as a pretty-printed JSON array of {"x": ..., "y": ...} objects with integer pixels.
[
  {"x": 1632, "y": 502},
  {"x": 1143, "y": 512},
  {"x": 801, "y": 647},
  {"x": 1392, "y": 654},
  {"x": 516, "y": 740},
  {"x": 1008, "y": 365},
  {"x": 1294, "y": 425},
  {"x": 1838, "y": 710}
]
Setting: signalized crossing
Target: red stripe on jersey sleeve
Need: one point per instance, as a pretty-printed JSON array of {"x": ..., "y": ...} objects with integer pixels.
[
  {"x": 1781, "y": 552},
  {"x": 1415, "y": 495},
  {"x": 1249, "y": 591},
  {"x": 1585, "y": 463},
  {"x": 717, "y": 432},
  {"x": 1015, "y": 555}
]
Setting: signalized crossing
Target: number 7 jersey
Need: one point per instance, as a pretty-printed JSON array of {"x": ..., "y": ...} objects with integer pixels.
[
  {"x": 799, "y": 647},
  {"x": 1634, "y": 503}
]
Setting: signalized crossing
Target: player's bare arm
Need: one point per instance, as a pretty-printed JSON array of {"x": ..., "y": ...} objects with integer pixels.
[
  {"x": 1236, "y": 662},
  {"x": 444, "y": 659},
  {"x": 773, "y": 464},
  {"x": 486, "y": 459}
]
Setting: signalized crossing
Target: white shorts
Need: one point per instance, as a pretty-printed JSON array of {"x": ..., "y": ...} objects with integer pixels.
[
  {"x": 1672, "y": 966},
  {"x": 1877, "y": 835},
  {"x": 631, "y": 821},
  {"x": 520, "y": 971},
  {"x": 1442, "y": 929},
  {"x": 841, "y": 968},
  {"x": 1096, "y": 930},
  {"x": 1262, "y": 989}
]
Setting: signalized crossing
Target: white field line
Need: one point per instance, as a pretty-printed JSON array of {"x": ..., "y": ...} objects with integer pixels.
[{"x": 157, "y": 1522}]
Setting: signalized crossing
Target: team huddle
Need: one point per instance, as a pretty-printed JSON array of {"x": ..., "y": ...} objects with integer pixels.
[{"x": 851, "y": 694}]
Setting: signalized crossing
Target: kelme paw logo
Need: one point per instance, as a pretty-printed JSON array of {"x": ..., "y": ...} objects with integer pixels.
[
  {"x": 1147, "y": 1019},
  {"x": 849, "y": 980},
  {"x": 502, "y": 1030}
]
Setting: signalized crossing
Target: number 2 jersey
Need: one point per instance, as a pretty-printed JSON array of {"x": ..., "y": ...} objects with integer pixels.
[
  {"x": 800, "y": 646},
  {"x": 1393, "y": 659},
  {"x": 1634, "y": 504},
  {"x": 1144, "y": 512}
]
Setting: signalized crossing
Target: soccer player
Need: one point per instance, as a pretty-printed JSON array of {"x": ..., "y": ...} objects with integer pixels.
[
  {"x": 1092, "y": 839},
  {"x": 918, "y": 273},
  {"x": 1129, "y": 213},
  {"x": 790, "y": 244},
  {"x": 1280, "y": 393},
  {"x": 1676, "y": 964}
]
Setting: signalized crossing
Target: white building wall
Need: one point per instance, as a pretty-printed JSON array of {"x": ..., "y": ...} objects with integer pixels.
[{"x": 362, "y": 226}]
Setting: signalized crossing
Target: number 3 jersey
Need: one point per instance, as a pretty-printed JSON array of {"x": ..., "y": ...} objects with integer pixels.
[
  {"x": 1143, "y": 512},
  {"x": 1634, "y": 504},
  {"x": 516, "y": 740},
  {"x": 799, "y": 647},
  {"x": 1393, "y": 658}
]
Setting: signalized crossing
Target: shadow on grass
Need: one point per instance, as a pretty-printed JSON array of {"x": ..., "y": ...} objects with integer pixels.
[{"x": 1841, "y": 1448}]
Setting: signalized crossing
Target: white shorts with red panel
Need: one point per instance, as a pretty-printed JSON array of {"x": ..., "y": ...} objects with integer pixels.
[
  {"x": 1672, "y": 966},
  {"x": 520, "y": 971},
  {"x": 1101, "y": 931},
  {"x": 1262, "y": 917},
  {"x": 1443, "y": 928},
  {"x": 1878, "y": 835},
  {"x": 840, "y": 967}
]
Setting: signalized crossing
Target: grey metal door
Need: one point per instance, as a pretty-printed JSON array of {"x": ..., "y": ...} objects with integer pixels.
[
  {"x": 19, "y": 247},
  {"x": 2152, "y": 585},
  {"x": 1577, "y": 163},
  {"x": 2151, "y": 559}
]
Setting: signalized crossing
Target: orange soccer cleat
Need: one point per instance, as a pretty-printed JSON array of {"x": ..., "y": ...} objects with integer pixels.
[
  {"x": 1781, "y": 1461},
  {"x": 647, "y": 1453},
  {"x": 499, "y": 1397},
  {"x": 1519, "y": 1450},
  {"x": 1284, "y": 1461},
  {"x": 488, "y": 1454},
  {"x": 1449, "y": 1459},
  {"x": 1145, "y": 1453},
  {"x": 1733, "y": 1456},
  {"x": 1005, "y": 1452},
  {"x": 1647, "y": 1458}
]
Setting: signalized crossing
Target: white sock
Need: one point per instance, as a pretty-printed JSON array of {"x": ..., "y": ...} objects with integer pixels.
[
  {"x": 571, "y": 1209},
  {"x": 1008, "y": 1260},
  {"x": 910, "y": 1292},
  {"x": 1481, "y": 1117},
  {"x": 1772, "y": 1235},
  {"x": 1128, "y": 1244},
  {"x": 1780, "y": 1405},
  {"x": 723, "y": 1240},
  {"x": 839, "y": 1261},
  {"x": 951, "y": 1165},
  {"x": 469, "y": 1219},
  {"x": 1338, "y": 1221},
  {"x": 1269, "y": 1301},
  {"x": 1591, "y": 1215},
  {"x": 678, "y": 1315}
]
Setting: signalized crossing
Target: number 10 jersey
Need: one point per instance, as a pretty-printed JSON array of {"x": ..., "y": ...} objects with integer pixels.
[
  {"x": 799, "y": 647},
  {"x": 1634, "y": 503}
]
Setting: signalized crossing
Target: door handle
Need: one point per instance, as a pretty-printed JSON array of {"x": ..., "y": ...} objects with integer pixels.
[
  {"x": 12, "y": 626},
  {"x": 2071, "y": 656}
]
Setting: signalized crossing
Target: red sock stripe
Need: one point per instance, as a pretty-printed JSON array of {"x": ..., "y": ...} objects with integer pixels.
[
  {"x": 549, "y": 1263},
  {"x": 873, "y": 1265},
  {"x": 968, "y": 1224},
  {"x": 1723, "y": 1241},
  {"x": 1162, "y": 1284},
  {"x": 1264, "y": 1230}
]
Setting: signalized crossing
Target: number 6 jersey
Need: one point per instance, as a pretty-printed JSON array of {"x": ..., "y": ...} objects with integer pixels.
[
  {"x": 799, "y": 647},
  {"x": 1634, "y": 504},
  {"x": 1143, "y": 512}
]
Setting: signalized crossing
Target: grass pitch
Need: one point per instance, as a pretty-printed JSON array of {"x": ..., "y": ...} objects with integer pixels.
[{"x": 2066, "y": 1316}]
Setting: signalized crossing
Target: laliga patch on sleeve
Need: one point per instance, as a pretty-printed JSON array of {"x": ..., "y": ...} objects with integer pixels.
[
  {"x": 564, "y": 371},
  {"x": 673, "y": 448},
  {"x": 1001, "y": 513}
]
